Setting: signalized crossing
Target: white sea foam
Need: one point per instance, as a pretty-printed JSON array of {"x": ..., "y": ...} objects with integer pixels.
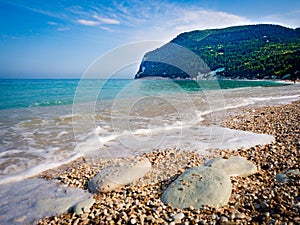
[
  {"x": 10, "y": 152},
  {"x": 60, "y": 134},
  {"x": 185, "y": 137},
  {"x": 35, "y": 170},
  {"x": 25, "y": 202},
  {"x": 33, "y": 141}
]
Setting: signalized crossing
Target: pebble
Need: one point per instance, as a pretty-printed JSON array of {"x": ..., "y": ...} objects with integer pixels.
[
  {"x": 297, "y": 220},
  {"x": 177, "y": 221},
  {"x": 240, "y": 216},
  {"x": 133, "y": 221},
  {"x": 223, "y": 219},
  {"x": 264, "y": 205},
  {"x": 252, "y": 196},
  {"x": 76, "y": 222},
  {"x": 178, "y": 216},
  {"x": 160, "y": 220},
  {"x": 232, "y": 216}
]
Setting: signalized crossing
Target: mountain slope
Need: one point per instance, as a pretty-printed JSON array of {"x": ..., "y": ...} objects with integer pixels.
[{"x": 252, "y": 52}]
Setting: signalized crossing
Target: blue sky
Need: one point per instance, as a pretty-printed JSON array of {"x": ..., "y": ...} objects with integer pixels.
[{"x": 60, "y": 39}]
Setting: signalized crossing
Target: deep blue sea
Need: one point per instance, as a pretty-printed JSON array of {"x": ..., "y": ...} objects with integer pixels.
[{"x": 45, "y": 123}]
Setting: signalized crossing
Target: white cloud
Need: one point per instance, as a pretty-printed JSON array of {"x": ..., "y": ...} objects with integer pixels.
[
  {"x": 106, "y": 28},
  {"x": 88, "y": 22},
  {"x": 5, "y": 36},
  {"x": 204, "y": 19},
  {"x": 63, "y": 28},
  {"x": 58, "y": 26},
  {"x": 165, "y": 25},
  {"x": 106, "y": 20},
  {"x": 99, "y": 21},
  {"x": 289, "y": 19},
  {"x": 168, "y": 15},
  {"x": 52, "y": 23}
]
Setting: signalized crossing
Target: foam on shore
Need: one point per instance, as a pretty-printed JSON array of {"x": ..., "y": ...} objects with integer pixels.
[{"x": 26, "y": 201}]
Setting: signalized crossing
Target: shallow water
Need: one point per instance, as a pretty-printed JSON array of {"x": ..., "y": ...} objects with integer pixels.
[
  {"x": 27, "y": 201},
  {"x": 45, "y": 123}
]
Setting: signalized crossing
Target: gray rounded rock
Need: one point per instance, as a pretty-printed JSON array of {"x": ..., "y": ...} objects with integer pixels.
[
  {"x": 83, "y": 206},
  {"x": 112, "y": 178},
  {"x": 234, "y": 166},
  {"x": 197, "y": 187}
]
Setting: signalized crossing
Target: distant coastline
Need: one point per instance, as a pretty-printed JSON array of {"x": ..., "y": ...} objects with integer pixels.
[{"x": 251, "y": 52}]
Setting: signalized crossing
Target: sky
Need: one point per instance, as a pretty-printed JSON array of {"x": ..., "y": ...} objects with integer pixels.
[{"x": 62, "y": 38}]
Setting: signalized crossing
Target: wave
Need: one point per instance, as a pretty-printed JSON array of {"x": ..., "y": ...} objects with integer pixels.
[
  {"x": 35, "y": 170},
  {"x": 35, "y": 141},
  {"x": 50, "y": 103}
]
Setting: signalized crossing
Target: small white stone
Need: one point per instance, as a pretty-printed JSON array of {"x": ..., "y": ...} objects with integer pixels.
[
  {"x": 224, "y": 219},
  {"x": 177, "y": 221},
  {"x": 178, "y": 216},
  {"x": 133, "y": 221},
  {"x": 240, "y": 216}
]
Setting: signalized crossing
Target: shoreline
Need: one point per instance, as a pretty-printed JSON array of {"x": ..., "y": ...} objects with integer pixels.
[
  {"x": 255, "y": 199},
  {"x": 34, "y": 170}
]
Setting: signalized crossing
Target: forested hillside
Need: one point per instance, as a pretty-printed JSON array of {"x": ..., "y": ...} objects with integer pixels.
[{"x": 251, "y": 52}]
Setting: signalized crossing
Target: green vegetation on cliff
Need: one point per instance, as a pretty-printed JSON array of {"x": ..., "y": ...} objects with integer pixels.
[{"x": 251, "y": 52}]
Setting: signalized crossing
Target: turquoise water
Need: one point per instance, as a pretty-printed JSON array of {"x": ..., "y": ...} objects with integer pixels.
[
  {"x": 46, "y": 123},
  {"x": 30, "y": 93},
  {"x": 41, "y": 93}
]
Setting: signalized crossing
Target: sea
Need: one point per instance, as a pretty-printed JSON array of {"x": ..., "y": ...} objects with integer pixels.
[{"x": 45, "y": 123}]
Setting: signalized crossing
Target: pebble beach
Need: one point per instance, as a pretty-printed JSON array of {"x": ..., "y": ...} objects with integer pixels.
[{"x": 271, "y": 196}]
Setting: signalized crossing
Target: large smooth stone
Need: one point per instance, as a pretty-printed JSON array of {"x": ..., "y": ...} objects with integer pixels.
[
  {"x": 114, "y": 177},
  {"x": 233, "y": 166},
  {"x": 197, "y": 187}
]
